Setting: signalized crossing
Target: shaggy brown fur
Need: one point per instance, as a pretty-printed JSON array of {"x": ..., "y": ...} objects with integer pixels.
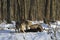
[
  {"x": 36, "y": 26},
  {"x": 29, "y": 23},
  {"x": 33, "y": 27},
  {"x": 23, "y": 27}
]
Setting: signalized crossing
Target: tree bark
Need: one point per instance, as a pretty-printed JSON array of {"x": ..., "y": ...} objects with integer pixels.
[
  {"x": 1, "y": 9},
  {"x": 12, "y": 9},
  {"x": 8, "y": 11},
  {"x": 47, "y": 12},
  {"x": 4, "y": 9}
]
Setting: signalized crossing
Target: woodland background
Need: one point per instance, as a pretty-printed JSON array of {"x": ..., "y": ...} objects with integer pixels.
[{"x": 46, "y": 10}]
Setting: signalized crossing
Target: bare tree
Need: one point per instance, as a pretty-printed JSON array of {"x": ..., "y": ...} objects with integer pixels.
[
  {"x": 40, "y": 8},
  {"x": 58, "y": 9},
  {"x": 8, "y": 11},
  {"x": 1, "y": 9},
  {"x": 47, "y": 11},
  {"x": 53, "y": 14},
  {"x": 16, "y": 16},
  {"x": 4, "y": 9},
  {"x": 12, "y": 9}
]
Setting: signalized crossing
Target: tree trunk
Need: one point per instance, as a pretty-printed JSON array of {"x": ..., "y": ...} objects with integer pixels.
[
  {"x": 4, "y": 9},
  {"x": 16, "y": 16},
  {"x": 8, "y": 11},
  {"x": 40, "y": 7},
  {"x": 12, "y": 9},
  {"x": 53, "y": 10},
  {"x": 1, "y": 9},
  {"x": 58, "y": 9},
  {"x": 47, "y": 11}
]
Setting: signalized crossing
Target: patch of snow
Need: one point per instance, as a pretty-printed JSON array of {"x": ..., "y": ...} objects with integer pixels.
[
  {"x": 58, "y": 35},
  {"x": 45, "y": 26},
  {"x": 53, "y": 25},
  {"x": 13, "y": 22},
  {"x": 4, "y": 25},
  {"x": 9, "y": 26},
  {"x": 41, "y": 21},
  {"x": 37, "y": 22},
  {"x": 58, "y": 22},
  {"x": 25, "y": 36}
]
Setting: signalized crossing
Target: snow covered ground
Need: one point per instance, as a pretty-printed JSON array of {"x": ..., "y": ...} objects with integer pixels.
[
  {"x": 25, "y": 36},
  {"x": 9, "y": 34}
]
